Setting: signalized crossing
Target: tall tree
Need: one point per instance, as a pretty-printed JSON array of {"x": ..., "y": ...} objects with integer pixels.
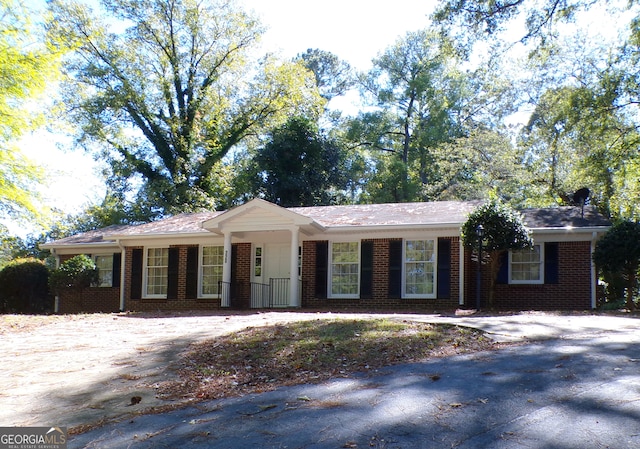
[
  {"x": 423, "y": 100},
  {"x": 619, "y": 252},
  {"x": 300, "y": 167},
  {"x": 413, "y": 86},
  {"x": 333, "y": 76},
  {"x": 166, "y": 89},
  {"x": 470, "y": 20},
  {"x": 26, "y": 66}
]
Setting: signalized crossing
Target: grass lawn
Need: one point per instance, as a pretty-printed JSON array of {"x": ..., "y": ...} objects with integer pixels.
[{"x": 264, "y": 358}]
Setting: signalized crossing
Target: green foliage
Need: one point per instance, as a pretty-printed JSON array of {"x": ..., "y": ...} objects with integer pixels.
[
  {"x": 24, "y": 287},
  {"x": 25, "y": 69},
  {"x": 170, "y": 96},
  {"x": 300, "y": 167},
  {"x": 475, "y": 19},
  {"x": 74, "y": 274},
  {"x": 584, "y": 121},
  {"x": 422, "y": 103},
  {"x": 333, "y": 76},
  {"x": 618, "y": 251},
  {"x": 503, "y": 228}
]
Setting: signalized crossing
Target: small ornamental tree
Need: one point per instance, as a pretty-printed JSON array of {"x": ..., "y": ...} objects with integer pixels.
[
  {"x": 618, "y": 251},
  {"x": 504, "y": 230},
  {"x": 74, "y": 275}
]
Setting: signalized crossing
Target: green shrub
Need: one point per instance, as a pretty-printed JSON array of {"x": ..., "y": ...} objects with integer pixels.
[
  {"x": 76, "y": 274},
  {"x": 23, "y": 287}
]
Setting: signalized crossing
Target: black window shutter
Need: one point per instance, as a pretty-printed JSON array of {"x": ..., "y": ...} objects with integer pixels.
[
  {"x": 551, "y": 263},
  {"x": 366, "y": 269},
  {"x": 192, "y": 272},
  {"x": 503, "y": 272},
  {"x": 322, "y": 267},
  {"x": 395, "y": 268},
  {"x": 115, "y": 270},
  {"x": 136, "y": 273},
  {"x": 444, "y": 268},
  {"x": 172, "y": 273}
]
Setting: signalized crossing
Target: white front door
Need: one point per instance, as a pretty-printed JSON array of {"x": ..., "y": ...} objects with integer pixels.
[
  {"x": 271, "y": 287},
  {"x": 277, "y": 270}
]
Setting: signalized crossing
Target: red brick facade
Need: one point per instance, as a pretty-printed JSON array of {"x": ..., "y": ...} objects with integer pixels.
[
  {"x": 94, "y": 299},
  {"x": 380, "y": 299},
  {"x": 571, "y": 291}
]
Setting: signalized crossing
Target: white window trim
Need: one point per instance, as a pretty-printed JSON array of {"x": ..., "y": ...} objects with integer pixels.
[
  {"x": 145, "y": 273},
  {"x": 95, "y": 257},
  {"x": 201, "y": 272},
  {"x": 529, "y": 282},
  {"x": 253, "y": 262},
  {"x": 330, "y": 294},
  {"x": 433, "y": 295}
]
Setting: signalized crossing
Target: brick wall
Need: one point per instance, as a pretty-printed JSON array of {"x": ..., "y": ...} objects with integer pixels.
[
  {"x": 181, "y": 303},
  {"x": 571, "y": 292},
  {"x": 380, "y": 299},
  {"x": 241, "y": 277},
  {"x": 90, "y": 300}
]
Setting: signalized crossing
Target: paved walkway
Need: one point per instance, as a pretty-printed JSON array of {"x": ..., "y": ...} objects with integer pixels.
[{"x": 576, "y": 385}]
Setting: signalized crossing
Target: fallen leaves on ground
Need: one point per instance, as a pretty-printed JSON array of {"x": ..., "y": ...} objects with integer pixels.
[{"x": 261, "y": 359}]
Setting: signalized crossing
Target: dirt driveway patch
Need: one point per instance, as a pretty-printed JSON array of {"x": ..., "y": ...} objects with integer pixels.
[{"x": 79, "y": 369}]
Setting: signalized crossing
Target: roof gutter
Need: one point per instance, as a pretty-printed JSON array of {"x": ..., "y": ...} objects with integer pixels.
[{"x": 585, "y": 230}]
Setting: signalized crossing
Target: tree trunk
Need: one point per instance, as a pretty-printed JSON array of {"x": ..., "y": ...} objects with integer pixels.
[
  {"x": 494, "y": 265},
  {"x": 631, "y": 284}
]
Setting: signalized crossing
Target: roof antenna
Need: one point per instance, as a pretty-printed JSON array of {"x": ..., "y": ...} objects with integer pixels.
[{"x": 580, "y": 198}]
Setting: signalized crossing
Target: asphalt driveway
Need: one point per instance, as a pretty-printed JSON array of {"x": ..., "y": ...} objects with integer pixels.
[{"x": 575, "y": 384}]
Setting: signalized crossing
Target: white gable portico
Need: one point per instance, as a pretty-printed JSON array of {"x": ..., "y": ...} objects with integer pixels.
[{"x": 274, "y": 233}]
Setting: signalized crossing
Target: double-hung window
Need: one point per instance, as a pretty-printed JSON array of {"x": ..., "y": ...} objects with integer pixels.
[
  {"x": 212, "y": 266},
  {"x": 104, "y": 263},
  {"x": 157, "y": 272},
  {"x": 345, "y": 270},
  {"x": 525, "y": 266},
  {"x": 419, "y": 268}
]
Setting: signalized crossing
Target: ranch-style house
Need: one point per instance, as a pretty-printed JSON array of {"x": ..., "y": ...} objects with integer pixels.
[{"x": 405, "y": 256}]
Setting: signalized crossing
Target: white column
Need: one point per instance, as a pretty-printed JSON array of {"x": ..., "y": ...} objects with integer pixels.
[
  {"x": 226, "y": 272},
  {"x": 294, "y": 299},
  {"x": 123, "y": 264}
]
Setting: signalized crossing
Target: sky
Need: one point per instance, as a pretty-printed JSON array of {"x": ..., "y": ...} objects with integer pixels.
[{"x": 354, "y": 30}]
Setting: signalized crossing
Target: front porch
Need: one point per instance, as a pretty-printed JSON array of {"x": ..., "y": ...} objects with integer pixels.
[{"x": 274, "y": 294}]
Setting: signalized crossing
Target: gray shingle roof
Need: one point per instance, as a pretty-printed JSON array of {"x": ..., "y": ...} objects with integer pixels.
[
  {"x": 188, "y": 223},
  {"x": 432, "y": 213},
  {"x": 437, "y": 212},
  {"x": 565, "y": 216}
]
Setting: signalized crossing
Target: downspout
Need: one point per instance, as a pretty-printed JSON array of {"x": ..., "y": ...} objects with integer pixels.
[
  {"x": 122, "y": 275},
  {"x": 56, "y": 298}
]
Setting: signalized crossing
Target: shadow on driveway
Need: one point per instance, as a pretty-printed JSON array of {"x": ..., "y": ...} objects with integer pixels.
[{"x": 578, "y": 390}]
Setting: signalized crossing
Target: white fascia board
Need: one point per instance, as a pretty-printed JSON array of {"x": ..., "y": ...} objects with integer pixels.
[
  {"x": 446, "y": 229},
  {"x": 83, "y": 248},
  {"x": 163, "y": 235},
  {"x": 570, "y": 230}
]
